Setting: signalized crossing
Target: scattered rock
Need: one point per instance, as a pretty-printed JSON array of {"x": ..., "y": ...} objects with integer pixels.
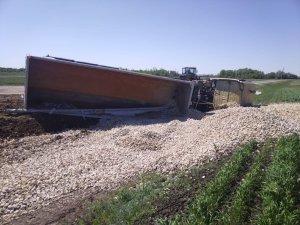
[{"x": 38, "y": 170}]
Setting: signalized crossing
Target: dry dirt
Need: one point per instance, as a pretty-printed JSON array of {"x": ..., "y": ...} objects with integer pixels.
[
  {"x": 22, "y": 125},
  {"x": 39, "y": 173}
]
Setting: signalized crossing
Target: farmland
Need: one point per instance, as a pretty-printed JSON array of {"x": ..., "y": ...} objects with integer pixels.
[
  {"x": 281, "y": 91},
  {"x": 12, "y": 78}
]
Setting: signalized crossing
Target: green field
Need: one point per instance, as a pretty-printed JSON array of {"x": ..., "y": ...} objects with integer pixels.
[
  {"x": 282, "y": 91},
  {"x": 258, "y": 184},
  {"x": 12, "y": 78}
]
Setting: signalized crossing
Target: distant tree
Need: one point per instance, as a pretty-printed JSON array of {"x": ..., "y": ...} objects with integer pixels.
[
  {"x": 291, "y": 76},
  {"x": 279, "y": 74},
  {"x": 159, "y": 72},
  {"x": 4, "y": 69},
  {"x": 247, "y": 73},
  {"x": 227, "y": 74},
  {"x": 242, "y": 74},
  {"x": 271, "y": 75},
  {"x": 282, "y": 75}
]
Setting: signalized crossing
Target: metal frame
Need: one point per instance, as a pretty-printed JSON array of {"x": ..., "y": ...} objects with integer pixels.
[
  {"x": 92, "y": 113},
  {"x": 26, "y": 81}
]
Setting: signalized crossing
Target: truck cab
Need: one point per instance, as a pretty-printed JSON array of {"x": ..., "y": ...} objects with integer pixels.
[{"x": 189, "y": 73}]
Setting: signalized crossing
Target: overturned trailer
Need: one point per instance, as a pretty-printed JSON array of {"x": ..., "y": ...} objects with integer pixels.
[
  {"x": 233, "y": 91},
  {"x": 214, "y": 93},
  {"x": 69, "y": 87}
]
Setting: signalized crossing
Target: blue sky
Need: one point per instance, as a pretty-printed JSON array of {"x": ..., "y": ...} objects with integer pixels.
[{"x": 211, "y": 35}]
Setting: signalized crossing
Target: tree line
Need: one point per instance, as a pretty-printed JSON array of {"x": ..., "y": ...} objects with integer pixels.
[
  {"x": 245, "y": 73},
  {"x": 159, "y": 72},
  {"x": 255, "y": 74},
  {"x": 4, "y": 69}
]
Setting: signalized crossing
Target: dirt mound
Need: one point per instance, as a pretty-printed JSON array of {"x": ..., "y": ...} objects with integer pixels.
[
  {"x": 21, "y": 125},
  {"x": 11, "y": 102},
  {"x": 12, "y": 126}
]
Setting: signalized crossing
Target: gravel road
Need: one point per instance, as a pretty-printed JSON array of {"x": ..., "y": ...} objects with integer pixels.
[
  {"x": 268, "y": 81},
  {"x": 37, "y": 170},
  {"x": 11, "y": 90}
]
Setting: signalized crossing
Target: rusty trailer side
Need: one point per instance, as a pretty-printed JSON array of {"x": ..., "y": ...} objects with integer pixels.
[{"x": 68, "y": 84}]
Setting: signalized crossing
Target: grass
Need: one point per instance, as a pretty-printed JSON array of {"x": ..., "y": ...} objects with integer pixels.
[
  {"x": 143, "y": 202},
  {"x": 204, "y": 210},
  {"x": 244, "y": 198},
  {"x": 12, "y": 78},
  {"x": 256, "y": 185},
  {"x": 126, "y": 205},
  {"x": 282, "y": 91},
  {"x": 281, "y": 187}
]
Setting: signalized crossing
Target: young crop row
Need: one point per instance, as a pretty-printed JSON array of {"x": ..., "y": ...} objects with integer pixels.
[
  {"x": 281, "y": 190},
  {"x": 257, "y": 185},
  {"x": 239, "y": 210},
  {"x": 204, "y": 210},
  {"x": 277, "y": 189},
  {"x": 137, "y": 204}
]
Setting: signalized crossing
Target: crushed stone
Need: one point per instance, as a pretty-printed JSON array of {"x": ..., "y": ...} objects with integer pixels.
[{"x": 37, "y": 170}]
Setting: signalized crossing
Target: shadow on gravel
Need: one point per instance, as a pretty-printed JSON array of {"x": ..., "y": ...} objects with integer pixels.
[
  {"x": 14, "y": 125},
  {"x": 107, "y": 123},
  {"x": 22, "y": 125}
]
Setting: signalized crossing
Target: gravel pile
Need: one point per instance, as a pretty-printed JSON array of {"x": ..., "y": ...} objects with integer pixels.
[
  {"x": 37, "y": 170},
  {"x": 288, "y": 111}
]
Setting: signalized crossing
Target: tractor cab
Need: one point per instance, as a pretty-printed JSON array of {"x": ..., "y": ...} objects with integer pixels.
[
  {"x": 189, "y": 70},
  {"x": 188, "y": 73}
]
